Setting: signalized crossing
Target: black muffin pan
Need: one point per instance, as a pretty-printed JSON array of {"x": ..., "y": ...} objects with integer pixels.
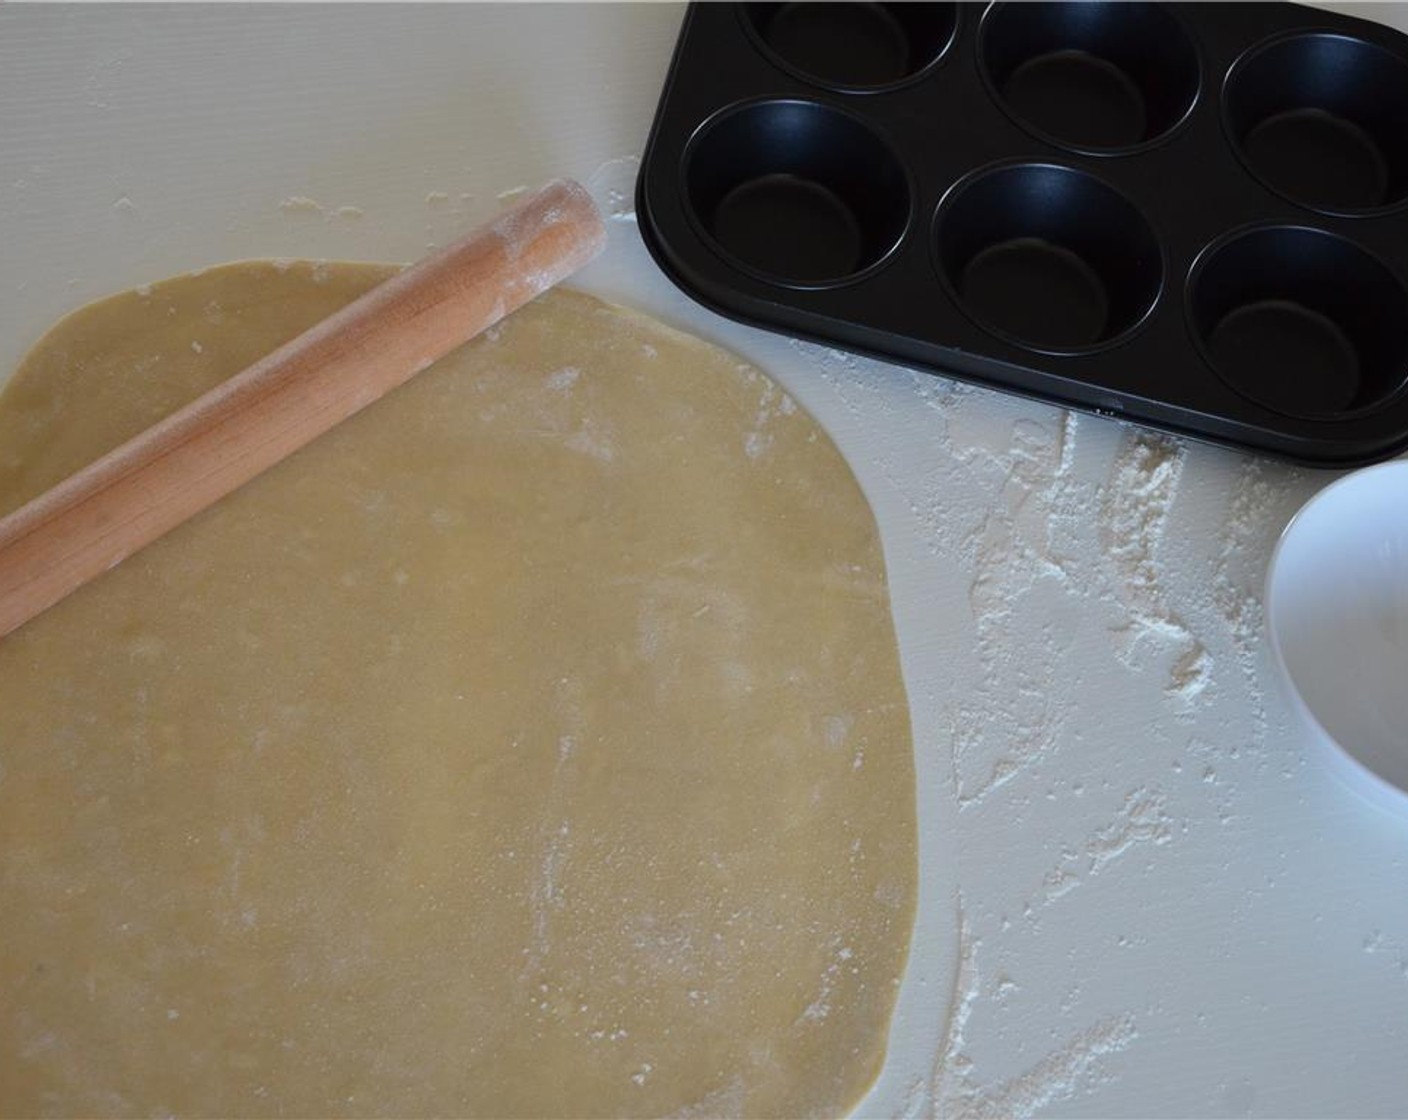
[{"x": 1192, "y": 216}]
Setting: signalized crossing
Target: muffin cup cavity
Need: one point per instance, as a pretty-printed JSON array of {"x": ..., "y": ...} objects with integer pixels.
[
  {"x": 1190, "y": 216},
  {"x": 1322, "y": 119},
  {"x": 1300, "y": 321},
  {"x": 798, "y": 193},
  {"x": 1097, "y": 78},
  {"x": 854, "y": 47},
  {"x": 1047, "y": 257}
]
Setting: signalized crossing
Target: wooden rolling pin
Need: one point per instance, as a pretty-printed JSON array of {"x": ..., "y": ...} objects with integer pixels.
[{"x": 94, "y": 520}]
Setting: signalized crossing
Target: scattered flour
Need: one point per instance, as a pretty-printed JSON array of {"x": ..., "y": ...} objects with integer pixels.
[
  {"x": 953, "y": 1090},
  {"x": 1142, "y": 819},
  {"x": 612, "y": 185},
  {"x": 1134, "y": 513},
  {"x": 1018, "y": 711},
  {"x": 1100, "y": 590},
  {"x": 1394, "y": 949},
  {"x": 1060, "y": 1075},
  {"x": 1247, "y": 532},
  {"x": 301, "y": 204}
]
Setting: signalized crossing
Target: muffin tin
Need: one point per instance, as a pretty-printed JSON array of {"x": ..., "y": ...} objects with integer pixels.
[{"x": 1190, "y": 216}]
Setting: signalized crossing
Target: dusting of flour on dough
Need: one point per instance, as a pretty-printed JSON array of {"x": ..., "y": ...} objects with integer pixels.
[
  {"x": 552, "y": 746},
  {"x": 563, "y": 379}
]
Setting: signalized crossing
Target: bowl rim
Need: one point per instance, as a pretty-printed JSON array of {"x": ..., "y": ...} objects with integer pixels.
[{"x": 1340, "y": 757}]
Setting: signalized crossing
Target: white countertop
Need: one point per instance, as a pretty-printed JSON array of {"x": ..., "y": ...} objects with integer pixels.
[{"x": 1141, "y": 894}]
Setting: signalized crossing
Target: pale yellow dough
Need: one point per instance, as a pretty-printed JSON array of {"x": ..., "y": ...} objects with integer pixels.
[{"x": 534, "y": 744}]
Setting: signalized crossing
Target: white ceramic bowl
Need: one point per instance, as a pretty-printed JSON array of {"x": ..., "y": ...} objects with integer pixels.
[{"x": 1337, "y": 613}]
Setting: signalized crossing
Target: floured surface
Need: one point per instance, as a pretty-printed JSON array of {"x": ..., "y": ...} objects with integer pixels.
[
  {"x": 532, "y": 744},
  {"x": 1050, "y": 707}
]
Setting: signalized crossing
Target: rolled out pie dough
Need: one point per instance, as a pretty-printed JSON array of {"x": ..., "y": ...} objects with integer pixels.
[{"x": 534, "y": 744}]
